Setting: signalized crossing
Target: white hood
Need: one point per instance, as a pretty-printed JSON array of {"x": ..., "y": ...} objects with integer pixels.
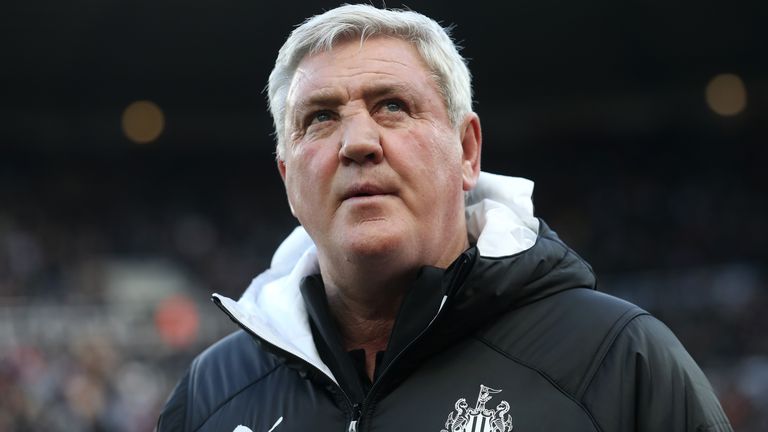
[{"x": 500, "y": 222}]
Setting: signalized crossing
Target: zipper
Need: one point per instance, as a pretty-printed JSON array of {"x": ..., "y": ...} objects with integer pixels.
[
  {"x": 458, "y": 276},
  {"x": 357, "y": 411},
  {"x": 372, "y": 392}
]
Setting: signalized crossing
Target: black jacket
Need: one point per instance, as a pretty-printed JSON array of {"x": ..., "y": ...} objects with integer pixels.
[{"x": 521, "y": 343}]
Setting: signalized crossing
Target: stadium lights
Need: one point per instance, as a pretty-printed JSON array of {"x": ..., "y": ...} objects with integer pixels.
[
  {"x": 726, "y": 94},
  {"x": 143, "y": 121}
]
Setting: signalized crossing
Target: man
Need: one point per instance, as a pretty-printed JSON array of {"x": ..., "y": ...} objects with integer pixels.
[{"x": 420, "y": 294}]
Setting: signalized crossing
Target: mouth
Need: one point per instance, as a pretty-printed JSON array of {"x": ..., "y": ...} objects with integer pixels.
[{"x": 364, "y": 191}]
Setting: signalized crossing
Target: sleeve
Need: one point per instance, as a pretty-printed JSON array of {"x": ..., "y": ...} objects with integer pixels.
[
  {"x": 647, "y": 382},
  {"x": 174, "y": 413}
]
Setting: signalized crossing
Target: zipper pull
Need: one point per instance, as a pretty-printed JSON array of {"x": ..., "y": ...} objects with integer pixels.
[{"x": 356, "y": 412}]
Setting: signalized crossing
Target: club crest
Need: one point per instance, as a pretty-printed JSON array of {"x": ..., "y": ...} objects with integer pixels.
[{"x": 479, "y": 418}]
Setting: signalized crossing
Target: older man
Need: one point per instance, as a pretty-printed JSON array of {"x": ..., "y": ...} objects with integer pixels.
[{"x": 420, "y": 294}]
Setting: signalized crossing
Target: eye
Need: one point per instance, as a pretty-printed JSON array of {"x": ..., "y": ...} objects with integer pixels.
[
  {"x": 321, "y": 116},
  {"x": 393, "y": 106}
]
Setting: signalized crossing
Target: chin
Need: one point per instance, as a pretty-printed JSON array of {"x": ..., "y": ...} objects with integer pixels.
[{"x": 374, "y": 242}]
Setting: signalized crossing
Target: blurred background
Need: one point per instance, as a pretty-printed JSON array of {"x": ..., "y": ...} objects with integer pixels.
[{"x": 137, "y": 177}]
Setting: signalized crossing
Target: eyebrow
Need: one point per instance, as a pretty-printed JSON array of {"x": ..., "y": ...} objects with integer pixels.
[
  {"x": 333, "y": 97},
  {"x": 320, "y": 99},
  {"x": 388, "y": 89}
]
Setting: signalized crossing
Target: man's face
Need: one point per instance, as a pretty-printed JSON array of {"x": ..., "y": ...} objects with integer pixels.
[{"x": 373, "y": 168}]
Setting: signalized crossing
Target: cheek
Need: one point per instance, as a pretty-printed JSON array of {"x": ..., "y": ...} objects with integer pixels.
[
  {"x": 441, "y": 155},
  {"x": 431, "y": 163},
  {"x": 309, "y": 173}
]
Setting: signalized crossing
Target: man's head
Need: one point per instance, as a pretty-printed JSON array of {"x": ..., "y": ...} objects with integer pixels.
[
  {"x": 322, "y": 32},
  {"x": 375, "y": 161}
]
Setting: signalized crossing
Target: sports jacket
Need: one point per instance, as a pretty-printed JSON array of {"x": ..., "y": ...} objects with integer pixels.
[{"x": 512, "y": 336}]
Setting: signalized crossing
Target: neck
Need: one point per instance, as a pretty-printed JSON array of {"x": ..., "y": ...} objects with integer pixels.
[
  {"x": 365, "y": 322},
  {"x": 364, "y": 295}
]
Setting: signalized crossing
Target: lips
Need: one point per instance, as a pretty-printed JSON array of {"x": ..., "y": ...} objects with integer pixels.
[{"x": 365, "y": 190}]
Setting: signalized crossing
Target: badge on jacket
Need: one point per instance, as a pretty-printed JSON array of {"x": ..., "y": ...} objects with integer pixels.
[{"x": 479, "y": 418}]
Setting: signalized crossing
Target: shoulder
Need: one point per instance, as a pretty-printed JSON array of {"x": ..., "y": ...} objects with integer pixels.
[
  {"x": 223, "y": 371},
  {"x": 647, "y": 372},
  {"x": 235, "y": 356},
  {"x": 579, "y": 325},
  {"x": 216, "y": 375},
  {"x": 620, "y": 363}
]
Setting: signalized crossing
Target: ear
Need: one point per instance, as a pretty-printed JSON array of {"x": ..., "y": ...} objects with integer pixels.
[
  {"x": 281, "y": 168},
  {"x": 471, "y": 145}
]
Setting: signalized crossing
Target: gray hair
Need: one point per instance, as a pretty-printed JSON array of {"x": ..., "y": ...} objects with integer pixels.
[{"x": 320, "y": 33}]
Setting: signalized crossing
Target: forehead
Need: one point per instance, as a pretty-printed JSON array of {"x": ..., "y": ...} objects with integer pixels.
[{"x": 353, "y": 67}]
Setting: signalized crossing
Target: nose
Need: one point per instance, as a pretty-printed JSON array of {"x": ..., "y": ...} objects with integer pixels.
[{"x": 361, "y": 141}]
